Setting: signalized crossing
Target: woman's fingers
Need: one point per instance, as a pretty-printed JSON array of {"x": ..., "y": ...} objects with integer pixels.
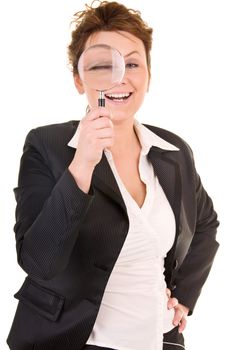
[
  {"x": 102, "y": 122},
  {"x": 172, "y": 302},
  {"x": 96, "y": 113},
  {"x": 168, "y": 292},
  {"x": 182, "y": 325},
  {"x": 96, "y": 133},
  {"x": 180, "y": 314},
  {"x": 103, "y": 133}
]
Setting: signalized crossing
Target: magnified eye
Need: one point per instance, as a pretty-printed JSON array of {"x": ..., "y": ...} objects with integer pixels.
[
  {"x": 98, "y": 67},
  {"x": 101, "y": 67}
]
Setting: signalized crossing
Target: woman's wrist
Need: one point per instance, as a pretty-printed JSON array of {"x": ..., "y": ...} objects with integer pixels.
[{"x": 82, "y": 174}]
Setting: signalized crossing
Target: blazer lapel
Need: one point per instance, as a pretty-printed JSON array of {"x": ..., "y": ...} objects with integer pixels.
[
  {"x": 103, "y": 179},
  {"x": 168, "y": 173},
  {"x": 165, "y": 168}
]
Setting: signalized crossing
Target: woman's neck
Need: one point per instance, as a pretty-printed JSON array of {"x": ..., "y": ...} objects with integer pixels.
[{"x": 126, "y": 141}]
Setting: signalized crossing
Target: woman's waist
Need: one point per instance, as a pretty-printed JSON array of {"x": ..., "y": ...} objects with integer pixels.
[{"x": 129, "y": 279}]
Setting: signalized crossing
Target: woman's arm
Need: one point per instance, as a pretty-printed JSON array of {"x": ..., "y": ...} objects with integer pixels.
[
  {"x": 49, "y": 213},
  {"x": 197, "y": 264}
]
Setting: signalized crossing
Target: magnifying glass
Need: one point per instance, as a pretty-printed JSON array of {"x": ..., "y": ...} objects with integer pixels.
[{"x": 101, "y": 67}]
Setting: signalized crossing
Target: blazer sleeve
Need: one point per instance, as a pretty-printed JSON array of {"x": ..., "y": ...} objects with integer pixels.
[
  {"x": 197, "y": 264},
  {"x": 49, "y": 213}
]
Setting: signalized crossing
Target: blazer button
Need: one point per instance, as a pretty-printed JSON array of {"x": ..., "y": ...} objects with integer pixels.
[{"x": 173, "y": 287}]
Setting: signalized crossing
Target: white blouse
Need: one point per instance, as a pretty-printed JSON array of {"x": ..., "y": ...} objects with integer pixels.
[{"x": 133, "y": 314}]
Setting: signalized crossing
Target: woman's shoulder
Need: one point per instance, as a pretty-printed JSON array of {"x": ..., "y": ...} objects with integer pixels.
[
  {"x": 53, "y": 133},
  {"x": 64, "y": 128}
]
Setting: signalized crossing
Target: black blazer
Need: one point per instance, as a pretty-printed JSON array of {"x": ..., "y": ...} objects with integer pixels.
[{"x": 68, "y": 241}]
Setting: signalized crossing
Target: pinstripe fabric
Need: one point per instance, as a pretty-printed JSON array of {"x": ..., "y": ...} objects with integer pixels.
[{"x": 68, "y": 241}]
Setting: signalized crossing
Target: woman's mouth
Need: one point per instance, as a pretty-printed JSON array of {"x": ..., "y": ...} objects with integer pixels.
[{"x": 119, "y": 97}]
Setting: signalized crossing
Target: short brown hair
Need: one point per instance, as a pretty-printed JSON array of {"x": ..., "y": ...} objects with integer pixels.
[{"x": 108, "y": 16}]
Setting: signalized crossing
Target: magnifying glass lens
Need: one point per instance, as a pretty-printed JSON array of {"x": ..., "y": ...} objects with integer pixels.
[{"x": 101, "y": 67}]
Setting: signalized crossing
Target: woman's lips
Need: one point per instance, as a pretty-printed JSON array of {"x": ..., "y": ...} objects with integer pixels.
[{"x": 118, "y": 97}]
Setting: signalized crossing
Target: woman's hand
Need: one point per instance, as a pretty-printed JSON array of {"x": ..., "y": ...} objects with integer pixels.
[
  {"x": 181, "y": 311},
  {"x": 96, "y": 133}
]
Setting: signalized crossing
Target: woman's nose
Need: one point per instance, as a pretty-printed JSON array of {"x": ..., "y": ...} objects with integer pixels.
[{"x": 124, "y": 79}]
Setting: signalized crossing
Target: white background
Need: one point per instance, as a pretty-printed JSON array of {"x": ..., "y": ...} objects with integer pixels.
[{"x": 190, "y": 94}]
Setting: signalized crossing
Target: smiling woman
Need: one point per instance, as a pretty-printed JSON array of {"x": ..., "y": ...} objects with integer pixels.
[
  {"x": 113, "y": 225},
  {"x": 124, "y": 99}
]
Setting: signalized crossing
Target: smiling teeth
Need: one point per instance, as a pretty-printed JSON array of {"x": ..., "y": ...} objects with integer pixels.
[{"x": 118, "y": 95}]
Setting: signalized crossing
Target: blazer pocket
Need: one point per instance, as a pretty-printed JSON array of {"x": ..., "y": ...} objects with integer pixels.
[{"x": 42, "y": 300}]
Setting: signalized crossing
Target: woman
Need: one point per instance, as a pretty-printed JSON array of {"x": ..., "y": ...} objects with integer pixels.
[{"x": 113, "y": 226}]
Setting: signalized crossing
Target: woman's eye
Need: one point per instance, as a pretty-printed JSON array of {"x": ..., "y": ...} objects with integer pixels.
[{"x": 131, "y": 65}]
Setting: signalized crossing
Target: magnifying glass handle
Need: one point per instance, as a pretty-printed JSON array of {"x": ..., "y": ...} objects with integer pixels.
[{"x": 101, "y": 100}]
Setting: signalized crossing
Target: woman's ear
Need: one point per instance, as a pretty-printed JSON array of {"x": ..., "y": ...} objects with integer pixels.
[{"x": 78, "y": 83}]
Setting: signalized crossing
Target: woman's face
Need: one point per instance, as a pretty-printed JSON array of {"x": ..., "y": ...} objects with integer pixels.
[{"x": 125, "y": 99}]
